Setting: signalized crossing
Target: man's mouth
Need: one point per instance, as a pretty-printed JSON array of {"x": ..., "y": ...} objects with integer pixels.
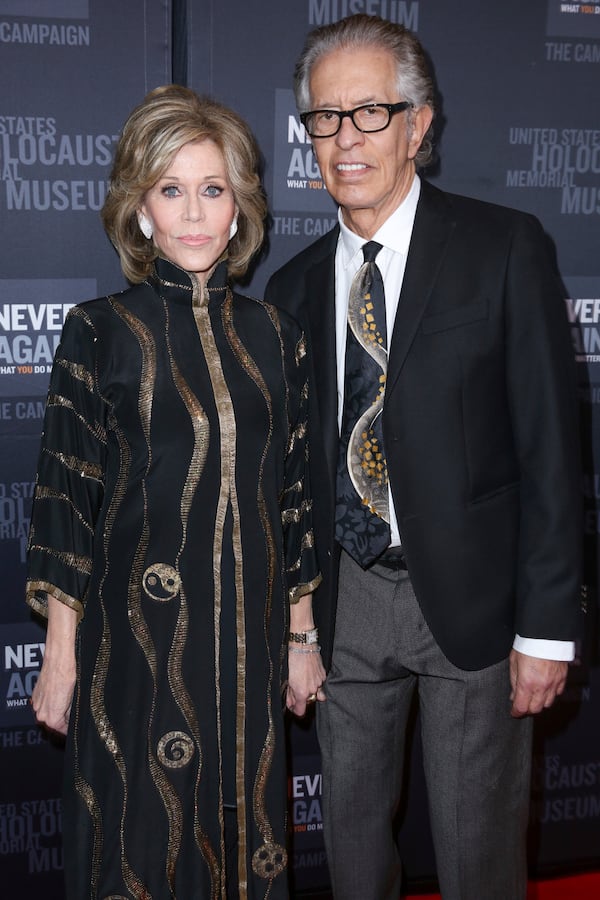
[{"x": 351, "y": 167}]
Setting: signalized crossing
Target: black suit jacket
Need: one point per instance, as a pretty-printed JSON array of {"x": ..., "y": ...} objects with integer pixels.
[{"x": 480, "y": 427}]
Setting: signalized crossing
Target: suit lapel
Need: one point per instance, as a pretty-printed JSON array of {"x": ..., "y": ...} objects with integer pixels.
[{"x": 431, "y": 232}]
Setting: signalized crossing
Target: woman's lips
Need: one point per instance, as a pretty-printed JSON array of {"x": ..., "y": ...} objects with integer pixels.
[{"x": 194, "y": 240}]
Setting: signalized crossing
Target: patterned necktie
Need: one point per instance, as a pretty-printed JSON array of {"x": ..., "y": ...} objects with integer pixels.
[{"x": 362, "y": 507}]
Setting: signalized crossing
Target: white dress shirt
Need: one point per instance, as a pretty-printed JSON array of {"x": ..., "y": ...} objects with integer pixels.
[{"x": 394, "y": 236}]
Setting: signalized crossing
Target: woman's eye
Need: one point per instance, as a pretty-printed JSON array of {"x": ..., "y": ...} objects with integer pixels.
[
  {"x": 213, "y": 190},
  {"x": 170, "y": 190}
]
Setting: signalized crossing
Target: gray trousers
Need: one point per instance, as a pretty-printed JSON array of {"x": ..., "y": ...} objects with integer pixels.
[{"x": 477, "y": 759}]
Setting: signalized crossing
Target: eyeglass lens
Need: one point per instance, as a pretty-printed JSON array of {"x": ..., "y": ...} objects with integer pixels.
[{"x": 366, "y": 118}]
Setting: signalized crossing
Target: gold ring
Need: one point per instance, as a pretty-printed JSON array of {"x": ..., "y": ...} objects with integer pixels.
[{"x": 311, "y": 698}]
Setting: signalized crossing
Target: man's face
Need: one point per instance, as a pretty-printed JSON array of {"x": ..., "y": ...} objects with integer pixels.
[{"x": 367, "y": 174}]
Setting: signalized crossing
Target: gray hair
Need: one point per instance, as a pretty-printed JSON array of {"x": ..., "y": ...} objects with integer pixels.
[{"x": 414, "y": 80}]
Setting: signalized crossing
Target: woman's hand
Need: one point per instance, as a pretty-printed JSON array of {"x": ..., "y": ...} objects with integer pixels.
[
  {"x": 53, "y": 693},
  {"x": 305, "y": 680},
  {"x": 306, "y": 673},
  {"x": 52, "y": 696}
]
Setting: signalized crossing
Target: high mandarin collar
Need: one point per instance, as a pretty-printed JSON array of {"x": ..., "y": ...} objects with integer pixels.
[{"x": 175, "y": 283}]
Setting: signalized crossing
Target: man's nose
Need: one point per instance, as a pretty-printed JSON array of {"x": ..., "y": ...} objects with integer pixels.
[{"x": 349, "y": 134}]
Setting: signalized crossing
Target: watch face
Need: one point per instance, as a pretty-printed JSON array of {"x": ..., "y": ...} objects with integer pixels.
[{"x": 304, "y": 637}]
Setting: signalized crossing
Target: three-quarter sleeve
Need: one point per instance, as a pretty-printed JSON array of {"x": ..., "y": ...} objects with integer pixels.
[
  {"x": 70, "y": 477},
  {"x": 301, "y": 565}
]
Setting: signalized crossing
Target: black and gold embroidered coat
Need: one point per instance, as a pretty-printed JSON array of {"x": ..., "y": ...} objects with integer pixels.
[{"x": 172, "y": 513}]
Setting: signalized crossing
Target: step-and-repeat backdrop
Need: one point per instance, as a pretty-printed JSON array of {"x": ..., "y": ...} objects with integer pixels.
[
  {"x": 518, "y": 125},
  {"x": 71, "y": 72}
]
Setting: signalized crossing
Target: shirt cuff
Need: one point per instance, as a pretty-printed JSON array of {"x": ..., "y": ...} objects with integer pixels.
[{"x": 563, "y": 651}]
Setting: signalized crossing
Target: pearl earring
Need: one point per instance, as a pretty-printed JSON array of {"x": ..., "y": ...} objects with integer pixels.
[
  {"x": 233, "y": 228},
  {"x": 145, "y": 225}
]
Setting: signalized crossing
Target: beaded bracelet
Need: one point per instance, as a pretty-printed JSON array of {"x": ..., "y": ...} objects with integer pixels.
[{"x": 314, "y": 648}]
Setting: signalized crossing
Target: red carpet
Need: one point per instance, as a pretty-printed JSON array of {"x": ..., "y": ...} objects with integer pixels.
[{"x": 577, "y": 887}]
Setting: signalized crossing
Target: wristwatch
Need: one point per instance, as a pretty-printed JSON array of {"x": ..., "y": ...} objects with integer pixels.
[{"x": 304, "y": 637}]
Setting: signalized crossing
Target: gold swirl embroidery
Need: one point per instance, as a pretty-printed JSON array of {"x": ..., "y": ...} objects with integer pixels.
[
  {"x": 76, "y": 370},
  {"x": 82, "y": 564},
  {"x": 294, "y": 514},
  {"x": 46, "y": 493},
  {"x": 268, "y": 870},
  {"x": 148, "y": 373},
  {"x": 56, "y": 400},
  {"x": 161, "y": 581},
  {"x": 307, "y": 542},
  {"x": 108, "y": 736},
  {"x": 99, "y": 713},
  {"x": 175, "y": 749},
  {"x": 175, "y": 284},
  {"x": 296, "y": 486},
  {"x": 300, "y": 590},
  {"x": 227, "y": 494},
  {"x": 85, "y": 469},
  {"x": 78, "y": 312},
  {"x": 300, "y": 350},
  {"x": 201, "y": 430},
  {"x": 37, "y": 597},
  {"x": 93, "y": 807},
  {"x": 85, "y": 790},
  {"x": 138, "y": 625},
  {"x": 82, "y": 787},
  {"x": 297, "y": 435}
]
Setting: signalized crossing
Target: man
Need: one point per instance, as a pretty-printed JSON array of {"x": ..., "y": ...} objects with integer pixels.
[{"x": 461, "y": 579}]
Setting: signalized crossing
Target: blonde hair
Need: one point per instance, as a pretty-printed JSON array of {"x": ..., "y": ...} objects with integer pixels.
[{"x": 168, "y": 118}]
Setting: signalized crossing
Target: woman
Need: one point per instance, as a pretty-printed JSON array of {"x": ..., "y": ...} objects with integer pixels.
[{"x": 173, "y": 450}]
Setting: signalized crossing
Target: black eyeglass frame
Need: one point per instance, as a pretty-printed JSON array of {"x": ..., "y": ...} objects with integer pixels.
[{"x": 392, "y": 109}]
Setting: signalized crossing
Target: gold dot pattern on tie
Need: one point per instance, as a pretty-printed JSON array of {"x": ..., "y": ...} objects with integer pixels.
[
  {"x": 365, "y": 459},
  {"x": 361, "y": 317},
  {"x": 362, "y": 507}
]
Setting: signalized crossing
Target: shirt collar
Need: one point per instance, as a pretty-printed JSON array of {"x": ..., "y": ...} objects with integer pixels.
[{"x": 394, "y": 234}]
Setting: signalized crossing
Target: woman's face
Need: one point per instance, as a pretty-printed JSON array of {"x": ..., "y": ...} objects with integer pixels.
[{"x": 191, "y": 208}]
